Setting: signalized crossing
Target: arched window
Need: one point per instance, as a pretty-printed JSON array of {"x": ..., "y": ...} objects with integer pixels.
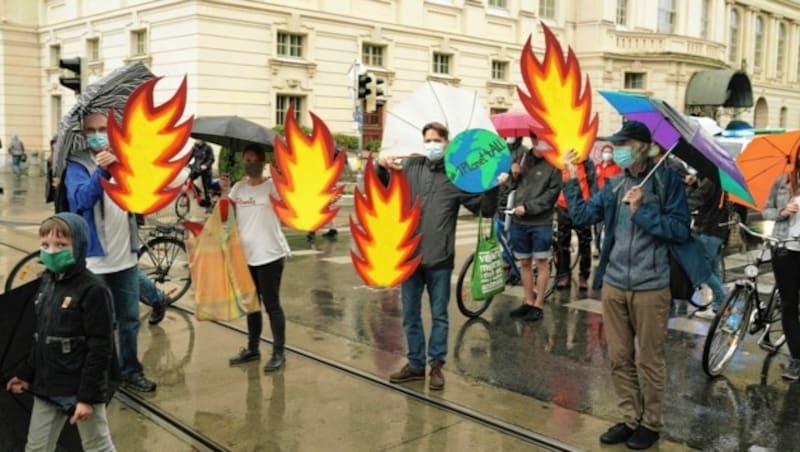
[
  {"x": 781, "y": 57},
  {"x": 733, "y": 36},
  {"x": 758, "y": 42}
]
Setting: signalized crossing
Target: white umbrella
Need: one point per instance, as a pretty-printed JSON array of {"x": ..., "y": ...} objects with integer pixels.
[
  {"x": 458, "y": 109},
  {"x": 707, "y": 124}
]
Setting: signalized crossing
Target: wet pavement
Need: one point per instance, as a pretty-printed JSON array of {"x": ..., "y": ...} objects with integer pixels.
[{"x": 549, "y": 377}]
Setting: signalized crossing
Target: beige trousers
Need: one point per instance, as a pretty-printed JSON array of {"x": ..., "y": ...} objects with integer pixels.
[{"x": 637, "y": 318}]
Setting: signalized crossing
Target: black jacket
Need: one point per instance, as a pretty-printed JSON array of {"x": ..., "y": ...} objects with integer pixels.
[
  {"x": 72, "y": 352},
  {"x": 440, "y": 201},
  {"x": 537, "y": 187},
  {"x": 203, "y": 155},
  {"x": 710, "y": 203}
]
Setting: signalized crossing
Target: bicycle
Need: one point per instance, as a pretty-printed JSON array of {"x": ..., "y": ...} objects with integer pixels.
[
  {"x": 189, "y": 191},
  {"x": 162, "y": 257},
  {"x": 474, "y": 308},
  {"x": 744, "y": 311}
]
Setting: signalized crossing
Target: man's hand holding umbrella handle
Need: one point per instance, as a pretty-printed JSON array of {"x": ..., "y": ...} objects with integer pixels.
[
  {"x": 633, "y": 198},
  {"x": 17, "y": 385},
  {"x": 519, "y": 210},
  {"x": 105, "y": 159}
]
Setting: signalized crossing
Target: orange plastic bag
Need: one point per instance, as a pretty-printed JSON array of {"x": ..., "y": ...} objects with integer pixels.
[{"x": 221, "y": 279}]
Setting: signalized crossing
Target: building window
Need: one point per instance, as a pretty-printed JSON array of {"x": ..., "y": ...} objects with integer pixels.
[
  {"x": 547, "y": 9},
  {"x": 282, "y": 105},
  {"x": 499, "y": 70},
  {"x": 441, "y": 63},
  {"x": 55, "y": 113},
  {"x": 635, "y": 80},
  {"x": 290, "y": 45},
  {"x": 372, "y": 55},
  {"x": 705, "y": 19},
  {"x": 733, "y": 35},
  {"x": 782, "y": 119},
  {"x": 798, "y": 63},
  {"x": 666, "y": 16},
  {"x": 622, "y": 12},
  {"x": 781, "y": 57},
  {"x": 55, "y": 55},
  {"x": 93, "y": 49},
  {"x": 139, "y": 43},
  {"x": 758, "y": 42},
  {"x": 497, "y": 111},
  {"x": 498, "y": 3}
]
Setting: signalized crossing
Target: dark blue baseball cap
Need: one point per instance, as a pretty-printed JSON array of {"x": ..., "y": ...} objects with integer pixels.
[{"x": 632, "y": 130}]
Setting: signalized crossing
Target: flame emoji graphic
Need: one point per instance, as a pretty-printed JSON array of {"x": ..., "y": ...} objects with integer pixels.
[
  {"x": 557, "y": 101},
  {"x": 384, "y": 236},
  {"x": 146, "y": 145},
  {"x": 305, "y": 175}
]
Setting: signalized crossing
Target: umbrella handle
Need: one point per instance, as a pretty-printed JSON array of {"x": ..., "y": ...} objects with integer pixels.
[{"x": 653, "y": 170}]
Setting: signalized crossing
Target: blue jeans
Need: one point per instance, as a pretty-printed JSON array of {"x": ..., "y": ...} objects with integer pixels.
[
  {"x": 149, "y": 294},
  {"x": 124, "y": 287},
  {"x": 438, "y": 282},
  {"x": 16, "y": 164},
  {"x": 712, "y": 246},
  {"x": 499, "y": 231}
]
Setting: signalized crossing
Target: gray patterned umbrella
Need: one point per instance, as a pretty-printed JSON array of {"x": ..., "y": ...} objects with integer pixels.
[{"x": 112, "y": 90}]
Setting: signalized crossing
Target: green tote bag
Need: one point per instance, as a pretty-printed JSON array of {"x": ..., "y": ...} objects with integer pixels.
[{"x": 488, "y": 278}]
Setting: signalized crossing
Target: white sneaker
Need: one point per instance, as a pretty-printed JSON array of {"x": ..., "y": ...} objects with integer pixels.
[{"x": 706, "y": 314}]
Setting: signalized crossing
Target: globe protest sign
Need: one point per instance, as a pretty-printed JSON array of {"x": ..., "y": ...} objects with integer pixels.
[{"x": 475, "y": 158}]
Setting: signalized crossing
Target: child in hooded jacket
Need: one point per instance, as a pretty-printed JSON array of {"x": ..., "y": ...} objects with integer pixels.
[{"x": 71, "y": 363}]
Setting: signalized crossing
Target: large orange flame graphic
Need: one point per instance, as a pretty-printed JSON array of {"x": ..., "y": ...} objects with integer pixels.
[
  {"x": 146, "y": 145},
  {"x": 387, "y": 220},
  {"x": 305, "y": 175},
  {"x": 556, "y": 100}
]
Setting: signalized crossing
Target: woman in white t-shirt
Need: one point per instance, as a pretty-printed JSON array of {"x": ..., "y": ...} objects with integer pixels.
[
  {"x": 266, "y": 249},
  {"x": 783, "y": 206}
]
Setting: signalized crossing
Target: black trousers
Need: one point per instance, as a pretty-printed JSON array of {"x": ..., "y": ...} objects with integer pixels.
[
  {"x": 268, "y": 285},
  {"x": 785, "y": 265},
  {"x": 564, "y": 236}
]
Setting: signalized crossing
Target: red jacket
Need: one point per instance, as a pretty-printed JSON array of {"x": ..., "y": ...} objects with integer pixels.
[{"x": 606, "y": 170}]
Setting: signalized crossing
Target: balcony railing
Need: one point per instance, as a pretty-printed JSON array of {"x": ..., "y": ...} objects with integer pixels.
[{"x": 639, "y": 42}]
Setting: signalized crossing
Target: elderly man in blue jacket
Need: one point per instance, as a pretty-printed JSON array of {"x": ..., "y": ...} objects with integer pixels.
[{"x": 645, "y": 220}]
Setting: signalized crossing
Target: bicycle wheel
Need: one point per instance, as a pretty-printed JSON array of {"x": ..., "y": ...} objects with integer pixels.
[
  {"x": 26, "y": 270},
  {"x": 466, "y": 304},
  {"x": 182, "y": 205},
  {"x": 165, "y": 262},
  {"x": 552, "y": 264},
  {"x": 773, "y": 337},
  {"x": 727, "y": 331}
]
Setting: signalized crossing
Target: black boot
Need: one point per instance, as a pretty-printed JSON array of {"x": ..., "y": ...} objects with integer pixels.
[{"x": 276, "y": 362}]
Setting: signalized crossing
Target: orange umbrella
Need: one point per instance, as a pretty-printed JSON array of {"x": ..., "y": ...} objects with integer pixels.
[{"x": 764, "y": 160}]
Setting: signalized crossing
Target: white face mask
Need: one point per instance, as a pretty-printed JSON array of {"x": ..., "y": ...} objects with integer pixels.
[
  {"x": 435, "y": 150},
  {"x": 608, "y": 156}
]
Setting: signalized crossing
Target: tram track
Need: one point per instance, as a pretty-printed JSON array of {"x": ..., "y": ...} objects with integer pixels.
[{"x": 201, "y": 442}]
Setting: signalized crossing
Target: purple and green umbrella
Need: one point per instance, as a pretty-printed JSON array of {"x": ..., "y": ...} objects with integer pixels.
[{"x": 682, "y": 137}]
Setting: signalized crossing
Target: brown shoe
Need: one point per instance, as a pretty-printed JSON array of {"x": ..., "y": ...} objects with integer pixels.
[
  {"x": 583, "y": 284},
  {"x": 407, "y": 373},
  {"x": 563, "y": 282},
  {"x": 437, "y": 378}
]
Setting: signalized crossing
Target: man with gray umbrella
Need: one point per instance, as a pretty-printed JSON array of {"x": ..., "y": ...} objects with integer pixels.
[{"x": 83, "y": 150}]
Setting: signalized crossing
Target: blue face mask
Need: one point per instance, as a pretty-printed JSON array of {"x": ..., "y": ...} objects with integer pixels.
[
  {"x": 435, "y": 151},
  {"x": 623, "y": 155},
  {"x": 97, "y": 141}
]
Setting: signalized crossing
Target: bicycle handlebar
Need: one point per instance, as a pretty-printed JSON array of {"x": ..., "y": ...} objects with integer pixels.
[{"x": 771, "y": 240}]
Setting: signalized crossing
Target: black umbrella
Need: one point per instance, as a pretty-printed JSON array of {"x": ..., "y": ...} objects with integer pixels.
[
  {"x": 112, "y": 90},
  {"x": 17, "y": 325},
  {"x": 233, "y": 132}
]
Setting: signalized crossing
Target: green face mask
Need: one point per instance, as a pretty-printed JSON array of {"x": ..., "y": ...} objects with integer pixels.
[{"x": 57, "y": 262}]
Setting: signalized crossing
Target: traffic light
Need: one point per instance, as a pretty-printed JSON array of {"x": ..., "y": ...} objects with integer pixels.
[
  {"x": 363, "y": 81},
  {"x": 373, "y": 92},
  {"x": 77, "y": 80}
]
